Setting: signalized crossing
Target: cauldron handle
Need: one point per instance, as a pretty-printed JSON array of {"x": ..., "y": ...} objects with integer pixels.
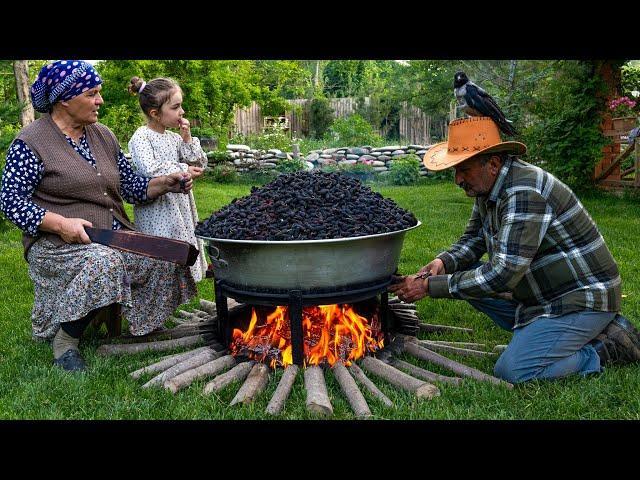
[{"x": 215, "y": 258}]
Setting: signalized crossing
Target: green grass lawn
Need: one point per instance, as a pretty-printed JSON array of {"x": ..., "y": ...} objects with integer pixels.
[{"x": 30, "y": 388}]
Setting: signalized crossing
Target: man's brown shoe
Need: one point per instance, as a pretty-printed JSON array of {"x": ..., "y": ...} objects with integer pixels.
[{"x": 619, "y": 342}]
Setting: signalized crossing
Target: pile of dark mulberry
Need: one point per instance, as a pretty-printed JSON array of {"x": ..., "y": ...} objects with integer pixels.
[{"x": 307, "y": 206}]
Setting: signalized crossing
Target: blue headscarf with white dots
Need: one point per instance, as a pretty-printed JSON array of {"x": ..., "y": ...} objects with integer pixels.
[{"x": 62, "y": 80}]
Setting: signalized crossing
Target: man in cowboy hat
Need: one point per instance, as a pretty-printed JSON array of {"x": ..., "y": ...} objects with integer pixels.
[{"x": 549, "y": 278}]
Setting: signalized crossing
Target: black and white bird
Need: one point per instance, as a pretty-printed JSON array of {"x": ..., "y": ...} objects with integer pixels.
[{"x": 476, "y": 102}]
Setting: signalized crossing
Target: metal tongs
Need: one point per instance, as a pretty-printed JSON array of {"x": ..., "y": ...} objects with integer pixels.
[{"x": 423, "y": 275}]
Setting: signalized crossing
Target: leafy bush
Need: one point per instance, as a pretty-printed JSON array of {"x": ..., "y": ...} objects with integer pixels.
[
  {"x": 565, "y": 136},
  {"x": 224, "y": 173},
  {"x": 353, "y": 131},
  {"x": 258, "y": 176},
  {"x": 290, "y": 166},
  {"x": 405, "y": 170},
  {"x": 123, "y": 122},
  {"x": 361, "y": 171},
  {"x": 274, "y": 137},
  {"x": 308, "y": 144},
  {"x": 320, "y": 117},
  {"x": 218, "y": 157},
  {"x": 203, "y": 132},
  {"x": 8, "y": 132},
  {"x": 630, "y": 79}
]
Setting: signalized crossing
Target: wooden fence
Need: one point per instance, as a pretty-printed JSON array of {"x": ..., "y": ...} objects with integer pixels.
[{"x": 415, "y": 125}]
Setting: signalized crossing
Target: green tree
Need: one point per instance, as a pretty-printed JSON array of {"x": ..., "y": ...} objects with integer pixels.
[
  {"x": 212, "y": 89},
  {"x": 344, "y": 78},
  {"x": 563, "y": 134}
]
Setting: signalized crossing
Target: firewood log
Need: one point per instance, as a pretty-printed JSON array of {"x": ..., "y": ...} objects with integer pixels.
[
  {"x": 181, "y": 331},
  {"x": 188, "y": 315},
  {"x": 204, "y": 315},
  {"x": 167, "y": 362},
  {"x": 253, "y": 385},
  {"x": 417, "y": 351},
  {"x": 114, "y": 348},
  {"x": 459, "y": 351},
  {"x": 237, "y": 373},
  {"x": 205, "y": 370},
  {"x": 208, "y": 306},
  {"x": 403, "y": 306},
  {"x": 181, "y": 321},
  {"x": 422, "y": 373},
  {"x": 456, "y": 344},
  {"x": 499, "y": 348},
  {"x": 408, "y": 314},
  {"x": 359, "y": 375},
  {"x": 276, "y": 404},
  {"x": 191, "y": 362},
  {"x": 317, "y": 396},
  {"x": 420, "y": 388},
  {"x": 351, "y": 391},
  {"x": 428, "y": 327}
]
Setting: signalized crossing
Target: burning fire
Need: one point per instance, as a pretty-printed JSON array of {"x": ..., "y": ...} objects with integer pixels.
[{"x": 331, "y": 333}]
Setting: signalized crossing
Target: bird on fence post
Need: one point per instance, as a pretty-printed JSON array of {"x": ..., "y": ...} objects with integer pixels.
[{"x": 476, "y": 102}]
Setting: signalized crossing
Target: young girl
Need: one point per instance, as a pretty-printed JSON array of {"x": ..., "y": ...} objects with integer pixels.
[{"x": 156, "y": 151}]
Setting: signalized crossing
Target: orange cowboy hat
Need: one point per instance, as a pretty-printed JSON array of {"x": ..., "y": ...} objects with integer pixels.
[{"x": 469, "y": 137}]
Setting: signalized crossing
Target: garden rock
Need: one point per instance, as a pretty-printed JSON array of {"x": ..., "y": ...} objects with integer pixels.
[{"x": 238, "y": 147}]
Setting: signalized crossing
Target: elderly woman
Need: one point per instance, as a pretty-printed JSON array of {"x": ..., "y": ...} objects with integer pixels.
[{"x": 66, "y": 171}]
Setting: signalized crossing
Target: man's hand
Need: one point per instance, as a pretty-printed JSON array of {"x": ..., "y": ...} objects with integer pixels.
[
  {"x": 410, "y": 288},
  {"x": 434, "y": 267},
  {"x": 195, "y": 172}
]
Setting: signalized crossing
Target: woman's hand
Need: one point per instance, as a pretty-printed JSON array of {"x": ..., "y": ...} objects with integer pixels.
[
  {"x": 177, "y": 182},
  {"x": 185, "y": 130},
  {"x": 195, "y": 172},
  {"x": 72, "y": 230}
]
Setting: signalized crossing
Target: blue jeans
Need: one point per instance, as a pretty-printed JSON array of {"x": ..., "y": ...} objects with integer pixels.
[{"x": 546, "y": 348}]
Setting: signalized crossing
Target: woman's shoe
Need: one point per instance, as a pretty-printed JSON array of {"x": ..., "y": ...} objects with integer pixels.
[{"x": 71, "y": 361}]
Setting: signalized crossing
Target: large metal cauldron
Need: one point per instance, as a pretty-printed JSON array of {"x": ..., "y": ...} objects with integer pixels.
[{"x": 306, "y": 264}]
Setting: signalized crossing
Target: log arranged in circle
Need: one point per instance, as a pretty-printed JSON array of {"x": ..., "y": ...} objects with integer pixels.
[
  {"x": 239, "y": 372},
  {"x": 282, "y": 391},
  {"x": 317, "y": 396}
]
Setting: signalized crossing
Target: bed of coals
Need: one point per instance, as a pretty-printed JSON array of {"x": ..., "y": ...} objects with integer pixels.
[{"x": 307, "y": 206}]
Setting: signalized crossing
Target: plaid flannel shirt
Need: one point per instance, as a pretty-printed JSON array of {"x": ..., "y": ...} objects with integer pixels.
[{"x": 543, "y": 247}]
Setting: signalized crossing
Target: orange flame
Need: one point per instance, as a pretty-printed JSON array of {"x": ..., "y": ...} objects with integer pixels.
[{"x": 330, "y": 333}]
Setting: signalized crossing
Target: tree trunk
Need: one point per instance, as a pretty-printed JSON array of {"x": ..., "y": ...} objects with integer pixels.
[{"x": 21, "y": 73}]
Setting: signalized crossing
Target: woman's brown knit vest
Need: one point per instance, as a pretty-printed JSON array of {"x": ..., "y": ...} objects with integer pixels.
[{"x": 71, "y": 186}]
